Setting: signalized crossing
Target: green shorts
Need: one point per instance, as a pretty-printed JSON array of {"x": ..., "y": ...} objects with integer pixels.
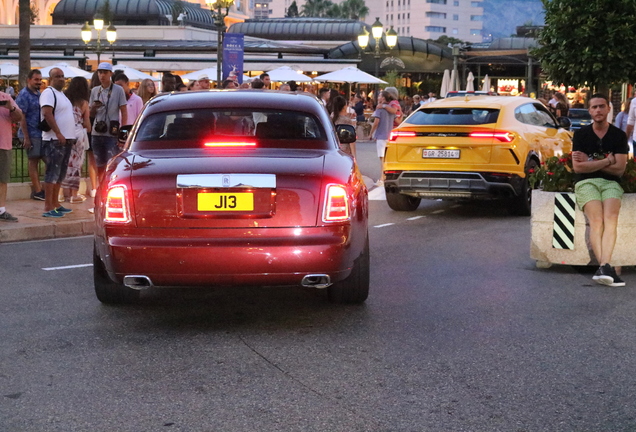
[{"x": 596, "y": 189}]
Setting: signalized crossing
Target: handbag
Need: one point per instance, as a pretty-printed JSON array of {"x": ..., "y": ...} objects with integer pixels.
[{"x": 43, "y": 125}]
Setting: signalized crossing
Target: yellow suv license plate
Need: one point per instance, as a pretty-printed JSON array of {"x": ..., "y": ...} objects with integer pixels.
[
  {"x": 225, "y": 201},
  {"x": 440, "y": 154}
]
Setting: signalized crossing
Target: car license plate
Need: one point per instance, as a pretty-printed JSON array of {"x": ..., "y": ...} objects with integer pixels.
[
  {"x": 225, "y": 201},
  {"x": 441, "y": 154}
]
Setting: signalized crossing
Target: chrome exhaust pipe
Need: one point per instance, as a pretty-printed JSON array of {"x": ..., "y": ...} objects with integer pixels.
[
  {"x": 137, "y": 282},
  {"x": 319, "y": 281}
]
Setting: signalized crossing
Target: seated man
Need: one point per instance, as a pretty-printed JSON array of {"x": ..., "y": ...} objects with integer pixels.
[{"x": 598, "y": 192}]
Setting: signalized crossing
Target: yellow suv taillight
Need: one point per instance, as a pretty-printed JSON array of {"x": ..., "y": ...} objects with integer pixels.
[
  {"x": 336, "y": 204},
  {"x": 117, "y": 208},
  {"x": 502, "y": 136}
]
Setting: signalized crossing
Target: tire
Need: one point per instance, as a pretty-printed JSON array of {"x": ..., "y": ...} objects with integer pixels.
[
  {"x": 107, "y": 291},
  {"x": 400, "y": 202},
  {"x": 521, "y": 205},
  {"x": 355, "y": 288}
]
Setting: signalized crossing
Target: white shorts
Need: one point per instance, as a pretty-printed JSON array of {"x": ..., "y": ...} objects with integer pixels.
[{"x": 381, "y": 146}]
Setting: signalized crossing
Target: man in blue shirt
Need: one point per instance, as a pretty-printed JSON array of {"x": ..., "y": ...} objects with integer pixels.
[{"x": 31, "y": 137}]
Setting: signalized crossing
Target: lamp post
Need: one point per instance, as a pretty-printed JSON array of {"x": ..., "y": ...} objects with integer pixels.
[
  {"x": 377, "y": 30},
  {"x": 98, "y": 24},
  {"x": 218, "y": 14}
]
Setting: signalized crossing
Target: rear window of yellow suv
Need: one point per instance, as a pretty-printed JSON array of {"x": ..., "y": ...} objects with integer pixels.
[{"x": 454, "y": 116}]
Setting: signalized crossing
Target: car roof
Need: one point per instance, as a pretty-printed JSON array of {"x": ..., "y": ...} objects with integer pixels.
[
  {"x": 481, "y": 101},
  {"x": 243, "y": 98}
]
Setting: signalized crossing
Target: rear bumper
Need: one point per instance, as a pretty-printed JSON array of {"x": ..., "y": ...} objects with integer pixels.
[
  {"x": 455, "y": 185},
  {"x": 262, "y": 256}
]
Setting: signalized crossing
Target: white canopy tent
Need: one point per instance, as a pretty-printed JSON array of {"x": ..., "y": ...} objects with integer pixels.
[
  {"x": 69, "y": 71},
  {"x": 9, "y": 70},
  {"x": 486, "y": 85},
  {"x": 285, "y": 73},
  {"x": 350, "y": 75},
  {"x": 210, "y": 73},
  {"x": 470, "y": 82},
  {"x": 445, "y": 84},
  {"x": 133, "y": 74}
]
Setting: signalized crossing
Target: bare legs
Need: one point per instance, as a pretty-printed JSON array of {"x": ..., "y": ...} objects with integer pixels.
[{"x": 603, "y": 219}]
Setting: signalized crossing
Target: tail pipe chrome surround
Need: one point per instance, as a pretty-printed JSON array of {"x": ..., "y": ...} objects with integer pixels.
[
  {"x": 138, "y": 282},
  {"x": 319, "y": 281}
]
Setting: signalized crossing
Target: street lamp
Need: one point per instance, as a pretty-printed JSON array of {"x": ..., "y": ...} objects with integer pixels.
[
  {"x": 98, "y": 24},
  {"x": 216, "y": 7},
  {"x": 377, "y": 30}
]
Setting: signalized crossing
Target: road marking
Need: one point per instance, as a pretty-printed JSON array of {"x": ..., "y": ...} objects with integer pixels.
[
  {"x": 414, "y": 217},
  {"x": 67, "y": 267},
  {"x": 383, "y": 225},
  {"x": 438, "y": 211}
]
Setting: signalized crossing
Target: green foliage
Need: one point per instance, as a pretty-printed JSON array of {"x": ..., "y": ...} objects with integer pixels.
[
  {"x": 628, "y": 182},
  {"x": 348, "y": 9},
  {"x": 292, "y": 10},
  {"x": 106, "y": 13},
  {"x": 588, "y": 43},
  {"x": 394, "y": 79},
  {"x": 554, "y": 175},
  {"x": 177, "y": 8},
  {"x": 445, "y": 40},
  {"x": 34, "y": 11}
]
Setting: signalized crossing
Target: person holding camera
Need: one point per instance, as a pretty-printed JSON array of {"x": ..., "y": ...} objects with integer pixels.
[
  {"x": 107, "y": 102},
  {"x": 9, "y": 113}
]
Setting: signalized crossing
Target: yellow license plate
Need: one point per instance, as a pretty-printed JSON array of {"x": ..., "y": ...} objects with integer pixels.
[{"x": 225, "y": 201}]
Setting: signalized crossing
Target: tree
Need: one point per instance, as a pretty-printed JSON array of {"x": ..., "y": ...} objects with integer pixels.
[
  {"x": 292, "y": 11},
  {"x": 354, "y": 9},
  {"x": 106, "y": 13},
  {"x": 316, "y": 8},
  {"x": 590, "y": 45},
  {"x": 177, "y": 8},
  {"x": 445, "y": 40},
  {"x": 24, "y": 50}
]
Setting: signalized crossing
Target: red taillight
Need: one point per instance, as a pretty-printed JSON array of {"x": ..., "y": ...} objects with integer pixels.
[
  {"x": 401, "y": 134},
  {"x": 230, "y": 144},
  {"x": 117, "y": 205},
  {"x": 499, "y": 135},
  {"x": 336, "y": 204}
]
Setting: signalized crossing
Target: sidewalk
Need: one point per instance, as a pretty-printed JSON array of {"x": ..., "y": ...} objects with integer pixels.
[{"x": 32, "y": 226}]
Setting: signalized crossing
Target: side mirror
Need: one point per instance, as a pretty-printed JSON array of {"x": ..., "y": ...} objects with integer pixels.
[
  {"x": 564, "y": 122},
  {"x": 346, "y": 134},
  {"x": 123, "y": 133}
]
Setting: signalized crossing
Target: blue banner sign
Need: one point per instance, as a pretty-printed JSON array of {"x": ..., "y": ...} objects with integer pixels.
[{"x": 233, "y": 44}]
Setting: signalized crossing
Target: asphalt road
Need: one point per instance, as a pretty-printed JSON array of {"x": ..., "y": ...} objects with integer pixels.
[{"x": 460, "y": 333}]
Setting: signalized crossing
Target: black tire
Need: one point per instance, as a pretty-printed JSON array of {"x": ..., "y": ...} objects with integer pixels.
[
  {"x": 107, "y": 291},
  {"x": 521, "y": 205},
  {"x": 400, "y": 202},
  {"x": 355, "y": 288}
]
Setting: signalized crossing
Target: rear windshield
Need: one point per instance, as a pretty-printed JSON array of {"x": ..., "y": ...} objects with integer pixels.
[
  {"x": 454, "y": 116},
  {"x": 579, "y": 114},
  {"x": 184, "y": 129}
]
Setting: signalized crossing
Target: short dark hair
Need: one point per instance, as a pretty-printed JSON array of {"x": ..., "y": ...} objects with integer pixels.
[
  {"x": 292, "y": 85},
  {"x": 263, "y": 75},
  {"x": 257, "y": 83},
  {"x": 226, "y": 83},
  {"x": 322, "y": 91},
  {"x": 168, "y": 75},
  {"x": 121, "y": 77},
  {"x": 34, "y": 72},
  {"x": 600, "y": 96}
]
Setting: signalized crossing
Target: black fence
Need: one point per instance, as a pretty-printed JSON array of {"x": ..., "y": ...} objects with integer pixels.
[{"x": 20, "y": 165}]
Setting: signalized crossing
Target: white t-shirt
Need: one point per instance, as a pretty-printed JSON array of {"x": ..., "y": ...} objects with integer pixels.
[{"x": 63, "y": 114}]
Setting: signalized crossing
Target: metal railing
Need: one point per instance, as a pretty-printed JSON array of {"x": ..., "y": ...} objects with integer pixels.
[{"x": 20, "y": 165}]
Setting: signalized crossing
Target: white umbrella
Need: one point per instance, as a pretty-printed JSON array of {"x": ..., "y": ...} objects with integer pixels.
[
  {"x": 350, "y": 74},
  {"x": 69, "y": 71},
  {"x": 210, "y": 72},
  {"x": 453, "y": 81},
  {"x": 470, "y": 82},
  {"x": 445, "y": 84},
  {"x": 285, "y": 73},
  {"x": 8, "y": 70},
  {"x": 133, "y": 74},
  {"x": 486, "y": 85}
]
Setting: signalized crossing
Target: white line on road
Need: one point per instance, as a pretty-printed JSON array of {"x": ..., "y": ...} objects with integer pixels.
[
  {"x": 415, "y": 217},
  {"x": 383, "y": 225},
  {"x": 438, "y": 211},
  {"x": 67, "y": 267}
]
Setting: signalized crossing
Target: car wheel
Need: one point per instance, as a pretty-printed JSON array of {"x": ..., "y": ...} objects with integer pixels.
[
  {"x": 401, "y": 202},
  {"x": 355, "y": 288},
  {"x": 521, "y": 205},
  {"x": 108, "y": 291}
]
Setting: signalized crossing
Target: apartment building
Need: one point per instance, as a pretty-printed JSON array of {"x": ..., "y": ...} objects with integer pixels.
[{"x": 425, "y": 19}]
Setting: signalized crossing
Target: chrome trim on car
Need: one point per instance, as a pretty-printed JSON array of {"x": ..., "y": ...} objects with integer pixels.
[{"x": 226, "y": 181}]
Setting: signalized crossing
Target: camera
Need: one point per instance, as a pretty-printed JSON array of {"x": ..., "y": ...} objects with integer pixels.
[
  {"x": 4, "y": 102},
  {"x": 100, "y": 126},
  {"x": 114, "y": 128}
]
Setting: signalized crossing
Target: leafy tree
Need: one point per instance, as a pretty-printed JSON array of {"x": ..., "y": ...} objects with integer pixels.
[
  {"x": 335, "y": 11},
  {"x": 354, "y": 9},
  {"x": 348, "y": 9},
  {"x": 177, "y": 8},
  {"x": 590, "y": 44},
  {"x": 445, "y": 40},
  {"x": 106, "y": 13},
  {"x": 316, "y": 8},
  {"x": 35, "y": 12},
  {"x": 292, "y": 11},
  {"x": 24, "y": 50}
]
